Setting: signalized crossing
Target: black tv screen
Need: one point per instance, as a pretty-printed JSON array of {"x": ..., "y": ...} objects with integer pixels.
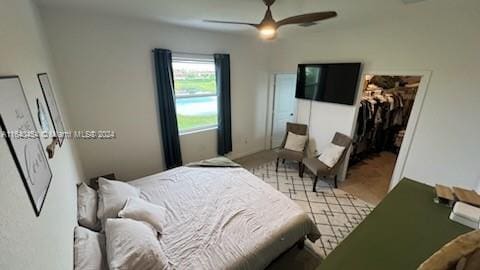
[{"x": 335, "y": 83}]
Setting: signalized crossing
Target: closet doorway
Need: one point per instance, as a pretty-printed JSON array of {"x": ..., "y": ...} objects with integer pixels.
[{"x": 384, "y": 114}]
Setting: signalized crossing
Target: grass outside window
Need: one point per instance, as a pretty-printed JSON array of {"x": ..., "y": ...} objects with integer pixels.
[{"x": 196, "y": 95}]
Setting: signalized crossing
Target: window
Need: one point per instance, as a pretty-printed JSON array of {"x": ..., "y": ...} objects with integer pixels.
[{"x": 195, "y": 93}]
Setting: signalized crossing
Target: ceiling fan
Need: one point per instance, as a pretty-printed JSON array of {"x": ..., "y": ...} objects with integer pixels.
[{"x": 268, "y": 27}]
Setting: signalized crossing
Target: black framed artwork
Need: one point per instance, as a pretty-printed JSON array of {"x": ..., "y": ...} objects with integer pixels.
[
  {"x": 22, "y": 137},
  {"x": 42, "y": 117},
  {"x": 52, "y": 107}
]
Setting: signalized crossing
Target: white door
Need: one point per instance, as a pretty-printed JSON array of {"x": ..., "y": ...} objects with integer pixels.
[{"x": 284, "y": 106}]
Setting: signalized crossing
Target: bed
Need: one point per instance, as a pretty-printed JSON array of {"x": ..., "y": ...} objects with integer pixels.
[{"x": 224, "y": 218}]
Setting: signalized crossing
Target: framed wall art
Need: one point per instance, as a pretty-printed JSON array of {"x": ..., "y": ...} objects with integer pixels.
[
  {"x": 52, "y": 107},
  {"x": 20, "y": 132},
  {"x": 42, "y": 117}
]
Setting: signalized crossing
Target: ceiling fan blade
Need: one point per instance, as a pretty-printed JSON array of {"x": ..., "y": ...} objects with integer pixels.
[
  {"x": 229, "y": 22},
  {"x": 307, "y": 18}
]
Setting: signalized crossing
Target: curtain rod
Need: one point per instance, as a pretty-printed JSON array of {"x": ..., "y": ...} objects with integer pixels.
[{"x": 199, "y": 54}]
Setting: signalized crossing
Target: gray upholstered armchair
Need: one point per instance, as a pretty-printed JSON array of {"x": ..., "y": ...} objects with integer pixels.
[
  {"x": 319, "y": 169},
  {"x": 285, "y": 154}
]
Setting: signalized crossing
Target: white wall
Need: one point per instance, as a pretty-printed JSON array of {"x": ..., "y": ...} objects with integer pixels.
[
  {"x": 441, "y": 36},
  {"x": 28, "y": 242},
  {"x": 107, "y": 72}
]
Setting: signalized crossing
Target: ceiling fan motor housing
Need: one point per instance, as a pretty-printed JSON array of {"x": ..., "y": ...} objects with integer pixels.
[{"x": 268, "y": 2}]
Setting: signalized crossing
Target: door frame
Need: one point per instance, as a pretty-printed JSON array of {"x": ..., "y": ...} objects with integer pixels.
[
  {"x": 271, "y": 108},
  {"x": 399, "y": 170}
]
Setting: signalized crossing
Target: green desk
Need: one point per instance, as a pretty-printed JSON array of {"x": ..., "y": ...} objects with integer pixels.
[{"x": 405, "y": 229}]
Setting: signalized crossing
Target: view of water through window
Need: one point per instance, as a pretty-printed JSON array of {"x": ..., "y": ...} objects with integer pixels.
[{"x": 196, "y": 94}]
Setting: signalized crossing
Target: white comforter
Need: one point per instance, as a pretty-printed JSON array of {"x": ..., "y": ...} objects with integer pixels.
[{"x": 224, "y": 218}]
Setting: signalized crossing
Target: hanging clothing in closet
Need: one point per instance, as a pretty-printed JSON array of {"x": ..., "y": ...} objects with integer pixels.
[{"x": 382, "y": 119}]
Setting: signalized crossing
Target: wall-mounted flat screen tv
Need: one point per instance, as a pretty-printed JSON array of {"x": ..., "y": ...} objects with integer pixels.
[{"x": 335, "y": 83}]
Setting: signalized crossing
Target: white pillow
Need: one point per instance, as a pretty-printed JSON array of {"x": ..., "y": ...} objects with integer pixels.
[
  {"x": 112, "y": 197},
  {"x": 295, "y": 142},
  {"x": 87, "y": 204},
  {"x": 141, "y": 210},
  {"x": 331, "y": 155},
  {"x": 133, "y": 245},
  {"x": 89, "y": 250}
]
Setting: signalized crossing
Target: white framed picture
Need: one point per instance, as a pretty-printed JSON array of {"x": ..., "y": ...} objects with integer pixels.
[{"x": 19, "y": 130}]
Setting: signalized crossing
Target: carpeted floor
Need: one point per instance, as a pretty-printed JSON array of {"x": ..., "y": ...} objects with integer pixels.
[{"x": 335, "y": 212}]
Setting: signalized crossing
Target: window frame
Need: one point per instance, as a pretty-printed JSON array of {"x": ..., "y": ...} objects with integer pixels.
[{"x": 194, "y": 59}]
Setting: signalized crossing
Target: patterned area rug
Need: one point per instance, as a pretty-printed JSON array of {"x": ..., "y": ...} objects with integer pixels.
[{"x": 335, "y": 212}]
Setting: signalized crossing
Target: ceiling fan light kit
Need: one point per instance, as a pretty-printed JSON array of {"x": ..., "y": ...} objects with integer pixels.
[
  {"x": 268, "y": 32},
  {"x": 268, "y": 27}
]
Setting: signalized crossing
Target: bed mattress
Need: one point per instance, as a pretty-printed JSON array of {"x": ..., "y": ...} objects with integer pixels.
[{"x": 223, "y": 218}]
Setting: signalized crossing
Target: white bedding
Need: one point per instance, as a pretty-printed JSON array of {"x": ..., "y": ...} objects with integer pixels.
[{"x": 223, "y": 218}]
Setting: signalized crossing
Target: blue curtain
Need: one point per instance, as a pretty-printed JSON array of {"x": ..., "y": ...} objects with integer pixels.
[
  {"x": 166, "y": 104},
  {"x": 222, "y": 72}
]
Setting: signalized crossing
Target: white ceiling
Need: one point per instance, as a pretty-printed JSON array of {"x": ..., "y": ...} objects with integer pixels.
[{"x": 191, "y": 12}]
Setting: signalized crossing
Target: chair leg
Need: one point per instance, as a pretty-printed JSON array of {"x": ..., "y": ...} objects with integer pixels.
[
  {"x": 283, "y": 161},
  {"x": 315, "y": 184},
  {"x": 300, "y": 165},
  {"x": 336, "y": 181},
  {"x": 276, "y": 167}
]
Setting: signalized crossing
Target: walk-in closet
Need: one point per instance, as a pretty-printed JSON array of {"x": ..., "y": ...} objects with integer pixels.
[{"x": 383, "y": 115}]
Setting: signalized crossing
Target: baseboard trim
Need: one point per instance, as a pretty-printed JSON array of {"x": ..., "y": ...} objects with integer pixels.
[{"x": 246, "y": 153}]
